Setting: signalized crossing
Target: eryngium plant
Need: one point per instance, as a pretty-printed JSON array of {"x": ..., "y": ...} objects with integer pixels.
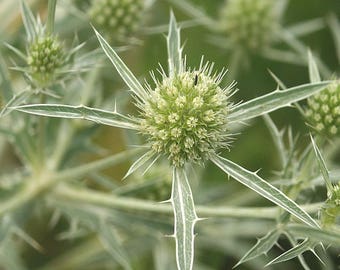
[
  {"x": 250, "y": 24},
  {"x": 186, "y": 118},
  {"x": 118, "y": 19},
  {"x": 46, "y": 61},
  {"x": 323, "y": 111}
]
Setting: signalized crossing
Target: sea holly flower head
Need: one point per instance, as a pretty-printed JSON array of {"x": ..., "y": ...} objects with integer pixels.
[
  {"x": 117, "y": 18},
  {"x": 323, "y": 110},
  {"x": 249, "y": 24},
  {"x": 185, "y": 116},
  {"x": 45, "y": 56}
]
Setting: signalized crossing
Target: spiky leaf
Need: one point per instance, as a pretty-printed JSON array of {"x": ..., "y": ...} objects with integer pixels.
[
  {"x": 274, "y": 100},
  {"x": 262, "y": 246},
  {"x": 114, "y": 119},
  {"x": 256, "y": 183},
  {"x": 322, "y": 166},
  {"x": 174, "y": 47},
  {"x": 294, "y": 252},
  {"x": 185, "y": 219},
  {"x": 126, "y": 74}
]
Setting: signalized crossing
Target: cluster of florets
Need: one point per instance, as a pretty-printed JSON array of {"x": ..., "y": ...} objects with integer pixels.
[
  {"x": 249, "y": 24},
  {"x": 117, "y": 18},
  {"x": 45, "y": 55},
  {"x": 323, "y": 111},
  {"x": 185, "y": 117}
]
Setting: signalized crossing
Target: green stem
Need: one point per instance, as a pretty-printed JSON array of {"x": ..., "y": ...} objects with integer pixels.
[
  {"x": 41, "y": 137},
  {"x": 43, "y": 181},
  {"x": 64, "y": 192}
]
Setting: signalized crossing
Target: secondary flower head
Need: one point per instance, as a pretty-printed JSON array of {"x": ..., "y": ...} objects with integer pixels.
[
  {"x": 323, "y": 110},
  {"x": 44, "y": 56},
  {"x": 185, "y": 117},
  {"x": 117, "y": 18},
  {"x": 249, "y": 24}
]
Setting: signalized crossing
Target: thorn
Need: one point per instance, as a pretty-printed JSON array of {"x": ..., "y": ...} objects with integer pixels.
[{"x": 166, "y": 201}]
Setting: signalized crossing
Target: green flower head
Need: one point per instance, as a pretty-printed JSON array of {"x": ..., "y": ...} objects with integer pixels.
[
  {"x": 117, "y": 18},
  {"x": 249, "y": 24},
  {"x": 44, "y": 57},
  {"x": 323, "y": 111},
  {"x": 185, "y": 117}
]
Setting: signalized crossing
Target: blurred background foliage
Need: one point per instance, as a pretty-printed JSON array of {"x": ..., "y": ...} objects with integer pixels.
[{"x": 253, "y": 147}]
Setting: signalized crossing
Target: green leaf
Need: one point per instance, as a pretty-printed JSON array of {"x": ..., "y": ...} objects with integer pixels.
[
  {"x": 174, "y": 47},
  {"x": 15, "y": 101},
  {"x": 326, "y": 236},
  {"x": 140, "y": 162},
  {"x": 6, "y": 90},
  {"x": 274, "y": 100},
  {"x": 185, "y": 219},
  {"x": 335, "y": 29},
  {"x": 51, "y": 15},
  {"x": 313, "y": 70},
  {"x": 294, "y": 252},
  {"x": 122, "y": 69},
  {"x": 110, "y": 242},
  {"x": 29, "y": 21},
  {"x": 256, "y": 183},
  {"x": 322, "y": 167},
  {"x": 277, "y": 139},
  {"x": 262, "y": 246},
  {"x": 114, "y": 119}
]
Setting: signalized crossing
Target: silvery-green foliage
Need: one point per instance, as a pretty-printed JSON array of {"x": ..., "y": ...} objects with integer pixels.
[{"x": 169, "y": 140}]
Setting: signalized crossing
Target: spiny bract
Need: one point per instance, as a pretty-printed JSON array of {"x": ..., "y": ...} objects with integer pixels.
[
  {"x": 45, "y": 55},
  {"x": 330, "y": 212},
  {"x": 249, "y": 24},
  {"x": 185, "y": 117},
  {"x": 323, "y": 111},
  {"x": 119, "y": 18}
]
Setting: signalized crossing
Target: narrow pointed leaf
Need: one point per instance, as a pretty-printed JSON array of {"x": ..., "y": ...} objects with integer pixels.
[
  {"x": 322, "y": 166},
  {"x": 15, "y": 101},
  {"x": 29, "y": 21},
  {"x": 140, "y": 162},
  {"x": 313, "y": 70},
  {"x": 126, "y": 74},
  {"x": 114, "y": 119},
  {"x": 256, "y": 183},
  {"x": 274, "y": 100},
  {"x": 335, "y": 29},
  {"x": 294, "y": 252},
  {"x": 185, "y": 219},
  {"x": 277, "y": 139},
  {"x": 110, "y": 242},
  {"x": 51, "y": 15},
  {"x": 6, "y": 90},
  {"x": 262, "y": 246},
  {"x": 174, "y": 47},
  {"x": 326, "y": 236}
]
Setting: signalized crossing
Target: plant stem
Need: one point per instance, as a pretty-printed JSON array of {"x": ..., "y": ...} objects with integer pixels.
[
  {"x": 42, "y": 181},
  {"x": 65, "y": 192},
  {"x": 41, "y": 137}
]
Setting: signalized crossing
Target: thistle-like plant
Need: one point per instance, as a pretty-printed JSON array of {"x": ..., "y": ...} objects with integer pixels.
[
  {"x": 118, "y": 19},
  {"x": 47, "y": 62},
  {"x": 245, "y": 28},
  {"x": 185, "y": 118}
]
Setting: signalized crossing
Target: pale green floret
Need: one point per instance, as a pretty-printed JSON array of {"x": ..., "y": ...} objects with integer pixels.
[
  {"x": 249, "y": 24},
  {"x": 117, "y": 18},
  {"x": 44, "y": 57},
  {"x": 323, "y": 111},
  {"x": 185, "y": 117}
]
